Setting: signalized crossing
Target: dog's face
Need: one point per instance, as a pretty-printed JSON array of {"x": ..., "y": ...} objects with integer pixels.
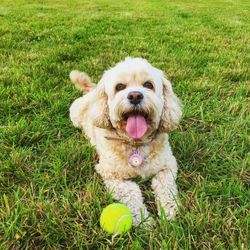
[
  {"x": 135, "y": 97},
  {"x": 136, "y": 100}
]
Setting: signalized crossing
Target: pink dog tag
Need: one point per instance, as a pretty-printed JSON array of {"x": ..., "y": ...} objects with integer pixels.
[{"x": 135, "y": 160}]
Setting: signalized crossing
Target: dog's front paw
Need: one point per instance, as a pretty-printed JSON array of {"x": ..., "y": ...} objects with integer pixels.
[
  {"x": 148, "y": 223},
  {"x": 143, "y": 218},
  {"x": 143, "y": 221},
  {"x": 136, "y": 220},
  {"x": 169, "y": 209}
]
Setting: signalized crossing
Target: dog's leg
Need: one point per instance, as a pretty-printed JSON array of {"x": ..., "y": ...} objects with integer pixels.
[
  {"x": 165, "y": 190},
  {"x": 129, "y": 193}
]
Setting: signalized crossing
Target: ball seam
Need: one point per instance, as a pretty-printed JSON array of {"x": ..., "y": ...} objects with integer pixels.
[{"x": 119, "y": 220}]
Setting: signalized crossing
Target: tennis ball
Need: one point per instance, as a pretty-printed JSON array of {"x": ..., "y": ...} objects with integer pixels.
[{"x": 116, "y": 218}]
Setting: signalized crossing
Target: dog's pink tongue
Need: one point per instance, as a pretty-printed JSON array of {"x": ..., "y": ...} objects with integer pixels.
[{"x": 136, "y": 126}]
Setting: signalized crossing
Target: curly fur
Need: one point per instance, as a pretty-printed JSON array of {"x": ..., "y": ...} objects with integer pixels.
[{"x": 99, "y": 114}]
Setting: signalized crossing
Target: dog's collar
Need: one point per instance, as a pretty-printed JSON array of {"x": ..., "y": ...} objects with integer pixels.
[
  {"x": 135, "y": 160},
  {"x": 134, "y": 143}
]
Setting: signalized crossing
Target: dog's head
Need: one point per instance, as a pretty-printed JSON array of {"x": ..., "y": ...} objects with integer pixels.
[{"x": 135, "y": 99}]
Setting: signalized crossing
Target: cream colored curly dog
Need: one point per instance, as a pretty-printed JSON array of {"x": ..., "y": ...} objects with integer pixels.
[{"x": 126, "y": 116}]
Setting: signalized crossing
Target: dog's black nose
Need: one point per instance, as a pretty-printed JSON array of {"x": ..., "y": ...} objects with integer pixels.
[{"x": 135, "y": 97}]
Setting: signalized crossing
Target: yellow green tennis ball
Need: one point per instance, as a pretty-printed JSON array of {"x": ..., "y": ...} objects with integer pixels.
[{"x": 116, "y": 218}]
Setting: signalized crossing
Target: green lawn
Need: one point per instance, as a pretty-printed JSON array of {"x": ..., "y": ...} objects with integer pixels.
[{"x": 50, "y": 196}]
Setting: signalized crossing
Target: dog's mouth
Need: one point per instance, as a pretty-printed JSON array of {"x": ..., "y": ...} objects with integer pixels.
[{"x": 136, "y": 123}]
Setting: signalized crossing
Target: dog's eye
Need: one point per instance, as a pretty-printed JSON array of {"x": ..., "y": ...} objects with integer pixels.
[
  {"x": 148, "y": 85},
  {"x": 120, "y": 86}
]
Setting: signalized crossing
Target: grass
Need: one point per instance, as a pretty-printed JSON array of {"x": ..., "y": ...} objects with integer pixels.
[{"x": 51, "y": 198}]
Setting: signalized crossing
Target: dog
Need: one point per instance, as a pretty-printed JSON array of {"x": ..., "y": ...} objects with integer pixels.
[{"x": 127, "y": 116}]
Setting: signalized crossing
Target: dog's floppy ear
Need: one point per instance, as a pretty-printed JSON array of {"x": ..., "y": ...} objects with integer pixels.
[
  {"x": 172, "y": 109},
  {"x": 91, "y": 109},
  {"x": 99, "y": 108}
]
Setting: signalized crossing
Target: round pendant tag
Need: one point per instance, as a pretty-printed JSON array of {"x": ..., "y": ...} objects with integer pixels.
[{"x": 135, "y": 160}]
